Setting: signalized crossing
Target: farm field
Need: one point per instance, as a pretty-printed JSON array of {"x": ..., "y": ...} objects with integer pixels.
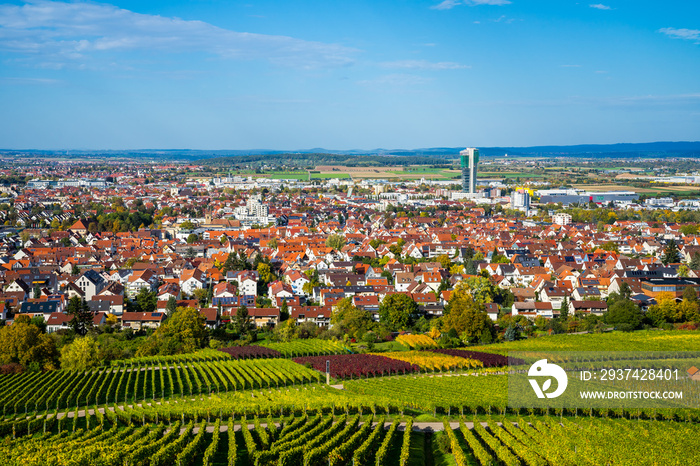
[
  {"x": 612, "y": 341},
  {"x": 117, "y": 437},
  {"x": 679, "y": 190},
  {"x": 208, "y": 408}
]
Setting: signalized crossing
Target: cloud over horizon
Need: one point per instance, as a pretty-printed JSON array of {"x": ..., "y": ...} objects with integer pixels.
[
  {"x": 600, "y": 6},
  {"x": 424, "y": 65},
  {"x": 56, "y": 34},
  {"x": 449, "y": 4},
  {"x": 686, "y": 34}
]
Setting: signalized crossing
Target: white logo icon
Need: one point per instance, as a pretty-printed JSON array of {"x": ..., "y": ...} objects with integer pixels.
[{"x": 543, "y": 369}]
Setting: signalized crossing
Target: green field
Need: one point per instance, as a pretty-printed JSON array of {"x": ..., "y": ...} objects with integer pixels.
[
  {"x": 649, "y": 340},
  {"x": 205, "y": 409},
  {"x": 523, "y": 175},
  {"x": 301, "y": 176}
]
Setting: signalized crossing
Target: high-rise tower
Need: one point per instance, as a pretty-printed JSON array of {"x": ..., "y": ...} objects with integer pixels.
[{"x": 470, "y": 159}]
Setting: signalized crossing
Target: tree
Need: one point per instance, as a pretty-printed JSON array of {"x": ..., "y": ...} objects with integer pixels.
[
  {"x": 183, "y": 332},
  {"x": 564, "y": 311},
  {"x": 80, "y": 355},
  {"x": 624, "y": 313},
  {"x": 610, "y": 246},
  {"x": 285, "y": 331},
  {"x": 146, "y": 301},
  {"x": 512, "y": 332},
  {"x": 192, "y": 237},
  {"x": 671, "y": 254},
  {"x": 350, "y": 320},
  {"x": 695, "y": 261},
  {"x": 690, "y": 294},
  {"x": 284, "y": 311},
  {"x": 241, "y": 322},
  {"x": 499, "y": 259},
  {"x": 689, "y": 229},
  {"x": 336, "y": 242},
  {"x": 398, "y": 311},
  {"x": 171, "y": 305},
  {"x": 82, "y": 315},
  {"x": 272, "y": 243},
  {"x": 444, "y": 261},
  {"x": 467, "y": 317},
  {"x": 23, "y": 343},
  {"x": 265, "y": 273},
  {"x": 470, "y": 267},
  {"x": 625, "y": 291},
  {"x": 201, "y": 294}
]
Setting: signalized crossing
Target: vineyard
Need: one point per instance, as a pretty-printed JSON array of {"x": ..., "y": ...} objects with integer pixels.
[
  {"x": 416, "y": 341},
  {"x": 254, "y": 405},
  {"x": 64, "y": 389},
  {"x": 251, "y": 352},
  {"x": 434, "y": 362},
  {"x": 439, "y": 395},
  {"x": 310, "y": 347},
  {"x": 648, "y": 340},
  {"x": 344, "y": 366},
  {"x": 121, "y": 437}
]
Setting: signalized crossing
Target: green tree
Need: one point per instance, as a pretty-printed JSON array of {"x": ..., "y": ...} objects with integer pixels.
[
  {"x": 624, "y": 313},
  {"x": 671, "y": 254},
  {"x": 336, "y": 242},
  {"x": 183, "y": 332},
  {"x": 689, "y": 229},
  {"x": 690, "y": 294},
  {"x": 350, "y": 320},
  {"x": 466, "y": 316},
  {"x": 265, "y": 273},
  {"x": 499, "y": 259},
  {"x": 285, "y": 331},
  {"x": 284, "y": 311},
  {"x": 192, "y": 237},
  {"x": 146, "y": 301},
  {"x": 398, "y": 311},
  {"x": 444, "y": 261},
  {"x": 695, "y": 261},
  {"x": 23, "y": 343},
  {"x": 171, "y": 305},
  {"x": 564, "y": 311},
  {"x": 80, "y": 355},
  {"x": 82, "y": 316},
  {"x": 241, "y": 322},
  {"x": 201, "y": 295}
]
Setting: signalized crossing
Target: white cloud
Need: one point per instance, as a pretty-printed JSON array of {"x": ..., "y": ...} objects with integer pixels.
[
  {"x": 31, "y": 81},
  {"x": 424, "y": 65},
  {"x": 487, "y": 2},
  {"x": 61, "y": 32},
  {"x": 394, "y": 80},
  {"x": 449, "y": 4},
  {"x": 446, "y": 5},
  {"x": 687, "y": 34},
  {"x": 600, "y": 6}
]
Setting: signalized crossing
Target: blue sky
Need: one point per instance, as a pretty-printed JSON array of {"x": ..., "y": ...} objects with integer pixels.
[{"x": 215, "y": 74}]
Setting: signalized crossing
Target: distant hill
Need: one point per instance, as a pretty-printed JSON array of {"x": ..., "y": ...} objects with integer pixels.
[{"x": 430, "y": 155}]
